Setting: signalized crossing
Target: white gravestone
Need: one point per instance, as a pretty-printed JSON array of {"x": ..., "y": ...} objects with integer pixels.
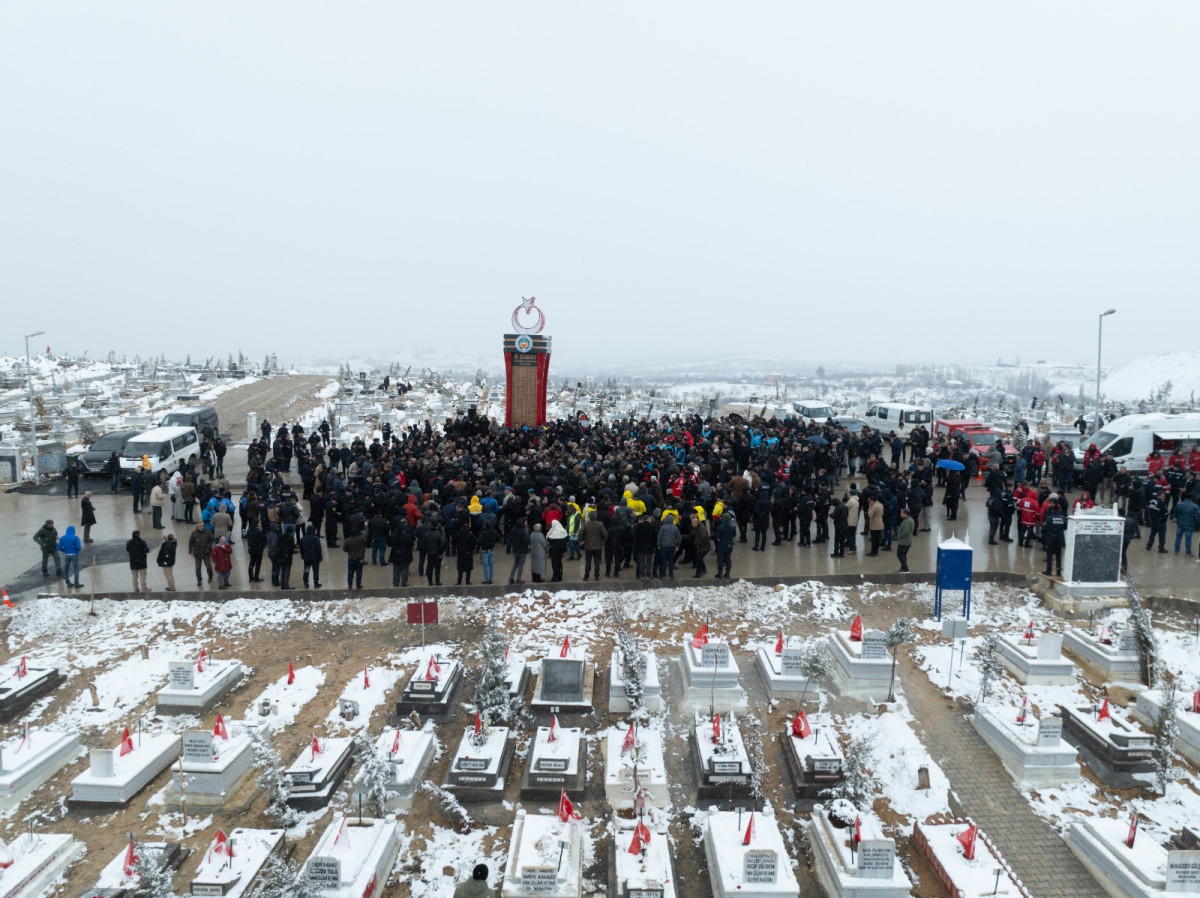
[
  {"x": 325, "y": 873},
  {"x": 714, "y": 654},
  {"x": 197, "y": 747},
  {"x": 1049, "y": 647},
  {"x": 761, "y": 867},
  {"x": 180, "y": 675},
  {"x": 791, "y": 662},
  {"x": 874, "y": 645},
  {"x": 1183, "y": 871},
  {"x": 539, "y": 880},
  {"x": 1049, "y": 733},
  {"x": 876, "y": 858}
]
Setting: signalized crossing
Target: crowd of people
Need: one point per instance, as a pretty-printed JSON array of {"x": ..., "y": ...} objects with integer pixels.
[{"x": 640, "y": 499}]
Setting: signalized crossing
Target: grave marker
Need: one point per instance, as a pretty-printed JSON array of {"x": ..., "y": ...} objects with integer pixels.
[
  {"x": 760, "y": 867},
  {"x": 1049, "y": 732},
  {"x": 325, "y": 872},
  {"x": 876, "y": 858},
  {"x": 714, "y": 654},
  {"x": 791, "y": 662},
  {"x": 1183, "y": 871},
  {"x": 539, "y": 880},
  {"x": 181, "y": 675},
  {"x": 197, "y": 747},
  {"x": 874, "y": 645},
  {"x": 1049, "y": 647}
]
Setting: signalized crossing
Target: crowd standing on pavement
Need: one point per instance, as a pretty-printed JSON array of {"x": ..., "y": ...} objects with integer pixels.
[{"x": 625, "y": 498}]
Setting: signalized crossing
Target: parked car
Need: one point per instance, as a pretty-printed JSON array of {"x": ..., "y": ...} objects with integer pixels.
[{"x": 98, "y": 454}]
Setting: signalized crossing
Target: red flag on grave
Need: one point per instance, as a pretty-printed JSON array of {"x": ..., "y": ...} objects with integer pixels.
[
  {"x": 641, "y": 838},
  {"x": 746, "y": 839},
  {"x": 856, "y": 629},
  {"x": 219, "y": 729},
  {"x": 1196, "y": 702},
  {"x": 396, "y": 742},
  {"x": 126, "y": 743},
  {"x": 200, "y": 661},
  {"x": 1133, "y": 828},
  {"x": 129, "y": 865},
  {"x": 221, "y": 844},
  {"x": 316, "y": 747},
  {"x": 779, "y": 644},
  {"x": 566, "y": 810},
  {"x": 716, "y": 729},
  {"x": 566, "y": 647},
  {"x": 630, "y": 740},
  {"x": 967, "y": 839},
  {"x": 857, "y": 829},
  {"x": 1104, "y": 713},
  {"x": 551, "y": 737},
  {"x": 341, "y": 829},
  {"x": 800, "y": 727},
  {"x": 432, "y": 669},
  {"x": 701, "y": 638},
  {"x": 22, "y": 668},
  {"x": 478, "y": 725},
  {"x": 291, "y": 674},
  {"x": 507, "y": 649},
  {"x": 366, "y": 678},
  {"x": 1024, "y": 706},
  {"x": 1029, "y": 636}
]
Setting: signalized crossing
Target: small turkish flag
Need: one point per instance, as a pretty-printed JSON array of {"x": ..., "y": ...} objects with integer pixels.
[
  {"x": 857, "y": 829},
  {"x": 1021, "y": 713},
  {"x": 366, "y": 678},
  {"x": 1029, "y": 637},
  {"x": 630, "y": 740},
  {"x": 1133, "y": 828},
  {"x": 701, "y": 638},
  {"x": 221, "y": 844},
  {"x": 717, "y": 729},
  {"x": 291, "y": 674},
  {"x": 219, "y": 729},
  {"x": 800, "y": 727},
  {"x": 341, "y": 827},
  {"x": 641, "y": 838},
  {"x": 507, "y": 649},
  {"x": 566, "y": 810},
  {"x": 550, "y": 737},
  {"x": 432, "y": 669},
  {"x": 131, "y": 859},
  {"x": 22, "y": 668},
  {"x": 316, "y": 747},
  {"x": 1196, "y": 702},
  {"x": 746, "y": 839},
  {"x": 1105, "y": 713},
  {"x": 126, "y": 743},
  {"x": 396, "y": 742},
  {"x": 566, "y": 647},
  {"x": 779, "y": 644},
  {"x": 478, "y": 725},
  {"x": 967, "y": 839},
  {"x": 856, "y": 630},
  {"x": 200, "y": 663}
]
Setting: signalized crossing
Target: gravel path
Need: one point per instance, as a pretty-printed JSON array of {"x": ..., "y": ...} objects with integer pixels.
[{"x": 275, "y": 400}]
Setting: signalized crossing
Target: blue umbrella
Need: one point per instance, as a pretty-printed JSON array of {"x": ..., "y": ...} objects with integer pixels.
[
  {"x": 818, "y": 440},
  {"x": 951, "y": 465}
]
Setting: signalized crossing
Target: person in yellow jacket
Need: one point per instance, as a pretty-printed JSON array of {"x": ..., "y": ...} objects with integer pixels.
[{"x": 574, "y": 524}]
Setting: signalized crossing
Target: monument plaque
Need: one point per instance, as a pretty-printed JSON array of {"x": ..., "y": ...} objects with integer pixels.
[
  {"x": 181, "y": 675},
  {"x": 1049, "y": 647},
  {"x": 1125, "y": 643},
  {"x": 1049, "y": 733},
  {"x": 874, "y": 645},
  {"x": 1183, "y": 871},
  {"x": 727, "y": 766},
  {"x": 791, "y": 662},
  {"x": 539, "y": 880},
  {"x": 760, "y": 867},
  {"x": 562, "y": 679},
  {"x": 1093, "y": 552},
  {"x": 197, "y": 747},
  {"x": 325, "y": 873},
  {"x": 876, "y": 858},
  {"x": 472, "y": 763},
  {"x": 714, "y": 654}
]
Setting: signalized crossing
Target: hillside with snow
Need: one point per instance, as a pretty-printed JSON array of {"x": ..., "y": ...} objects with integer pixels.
[{"x": 1142, "y": 379}]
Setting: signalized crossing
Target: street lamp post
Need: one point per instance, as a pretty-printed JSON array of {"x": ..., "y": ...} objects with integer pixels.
[
  {"x": 1099, "y": 344},
  {"x": 32, "y": 414}
]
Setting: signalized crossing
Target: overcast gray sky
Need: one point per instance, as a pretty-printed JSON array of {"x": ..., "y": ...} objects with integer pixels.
[{"x": 887, "y": 180}]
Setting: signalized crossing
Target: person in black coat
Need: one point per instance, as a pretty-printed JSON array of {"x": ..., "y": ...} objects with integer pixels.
[
  {"x": 310, "y": 554},
  {"x": 256, "y": 544},
  {"x": 166, "y": 559},
  {"x": 464, "y": 551},
  {"x": 138, "y": 553},
  {"x": 400, "y": 551},
  {"x": 840, "y": 516},
  {"x": 87, "y": 516}
]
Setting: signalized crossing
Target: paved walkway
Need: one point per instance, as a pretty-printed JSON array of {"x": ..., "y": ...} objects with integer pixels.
[{"x": 986, "y": 793}]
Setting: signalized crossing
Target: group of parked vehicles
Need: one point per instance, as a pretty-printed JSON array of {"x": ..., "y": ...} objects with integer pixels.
[{"x": 175, "y": 439}]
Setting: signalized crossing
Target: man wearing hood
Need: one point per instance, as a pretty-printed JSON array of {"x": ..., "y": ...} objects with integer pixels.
[
  {"x": 47, "y": 540},
  {"x": 70, "y": 546},
  {"x": 311, "y": 555}
]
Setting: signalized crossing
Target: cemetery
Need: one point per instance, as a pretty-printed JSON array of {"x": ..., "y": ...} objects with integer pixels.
[
  {"x": 1125, "y": 862},
  {"x": 120, "y": 877},
  {"x": 855, "y": 861},
  {"x": 565, "y": 682},
  {"x": 545, "y": 855},
  {"x": 813, "y": 756},
  {"x": 782, "y": 667},
  {"x": 557, "y": 762},
  {"x": 635, "y": 768},
  {"x": 1113, "y": 654},
  {"x": 22, "y": 684},
  {"x": 28, "y": 760},
  {"x": 652, "y": 699},
  {"x": 747, "y": 856},
  {"x": 1031, "y": 748},
  {"x": 354, "y": 856},
  {"x": 964, "y": 860},
  {"x": 1149, "y": 706},
  {"x": 1036, "y": 659},
  {"x": 480, "y": 766},
  {"x": 640, "y": 863},
  {"x": 862, "y": 667},
  {"x": 1113, "y": 746},
  {"x": 34, "y": 860},
  {"x": 710, "y": 673},
  {"x": 115, "y": 776},
  {"x": 722, "y": 764},
  {"x": 195, "y": 687},
  {"x": 408, "y": 754},
  {"x": 213, "y": 765},
  {"x": 432, "y": 688},
  {"x": 318, "y": 770},
  {"x": 230, "y": 865}
]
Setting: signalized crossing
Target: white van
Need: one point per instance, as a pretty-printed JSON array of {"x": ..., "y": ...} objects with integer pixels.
[
  {"x": 886, "y": 416},
  {"x": 1132, "y": 438},
  {"x": 813, "y": 410},
  {"x": 164, "y": 446}
]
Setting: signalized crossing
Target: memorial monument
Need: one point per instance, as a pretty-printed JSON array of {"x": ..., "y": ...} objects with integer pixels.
[{"x": 526, "y": 367}]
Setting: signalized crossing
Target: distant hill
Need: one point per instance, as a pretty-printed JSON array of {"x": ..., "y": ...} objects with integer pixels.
[{"x": 1142, "y": 379}]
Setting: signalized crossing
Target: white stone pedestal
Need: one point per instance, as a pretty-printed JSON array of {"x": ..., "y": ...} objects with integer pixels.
[
  {"x": 651, "y": 697},
  {"x": 189, "y": 691},
  {"x": 781, "y": 672},
  {"x": 1034, "y": 753},
  {"x": 712, "y": 677},
  {"x": 354, "y": 856},
  {"x": 1119, "y": 870},
  {"x": 648, "y": 756},
  {"x": 314, "y": 775},
  {"x": 28, "y": 761},
  {"x": 409, "y": 756},
  {"x": 1146, "y": 711},
  {"x": 871, "y": 871},
  {"x": 218, "y": 873},
  {"x": 1037, "y": 662},
  {"x": 861, "y": 669},
  {"x": 545, "y": 857},
  {"x": 1116, "y": 660},
  {"x": 213, "y": 768},
  {"x": 38, "y": 859},
  {"x": 480, "y": 772},
  {"x": 554, "y": 766},
  {"x": 761, "y": 869},
  {"x": 649, "y": 873},
  {"x": 114, "y": 778}
]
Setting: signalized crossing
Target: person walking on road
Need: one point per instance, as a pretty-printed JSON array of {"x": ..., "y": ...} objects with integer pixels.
[
  {"x": 222, "y": 555},
  {"x": 904, "y": 539},
  {"x": 200, "y": 545},
  {"x": 166, "y": 559},
  {"x": 158, "y": 499},
  {"x": 70, "y": 547},
  {"x": 1187, "y": 515},
  {"x": 87, "y": 517},
  {"x": 138, "y": 553},
  {"x": 47, "y": 540},
  {"x": 355, "y": 547}
]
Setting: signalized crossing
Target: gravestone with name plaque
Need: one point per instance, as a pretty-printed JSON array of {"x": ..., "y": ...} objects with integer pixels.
[
  {"x": 791, "y": 662},
  {"x": 874, "y": 645},
  {"x": 760, "y": 867},
  {"x": 1049, "y": 732},
  {"x": 325, "y": 873},
  {"x": 539, "y": 880},
  {"x": 876, "y": 859},
  {"x": 1049, "y": 647},
  {"x": 565, "y": 684},
  {"x": 1183, "y": 872},
  {"x": 1093, "y": 552},
  {"x": 181, "y": 675},
  {"x": 431, "y": 689},
  {"x": 197, "y": 747}
]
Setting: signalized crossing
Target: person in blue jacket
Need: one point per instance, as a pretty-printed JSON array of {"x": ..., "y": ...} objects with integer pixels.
[{"x": 70, "y": 546}]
